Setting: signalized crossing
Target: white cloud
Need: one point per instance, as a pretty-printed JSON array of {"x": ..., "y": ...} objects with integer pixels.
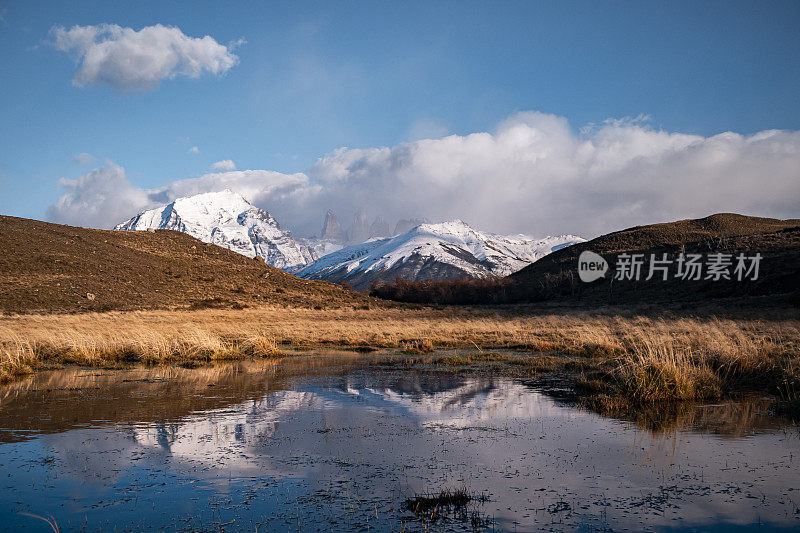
[
  {"x": 225, "y": 164},
  {"x": 258, "y": 186},
  {"x": 194, "y": 150},
  {"x": 97, "y": 198},
  {"x": 532, "y": 175},
  {"x": 130, "y": 60},
  {"x": 83, "y": 158}
]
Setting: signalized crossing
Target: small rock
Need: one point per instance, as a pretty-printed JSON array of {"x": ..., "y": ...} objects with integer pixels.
[{"x": 89, "y": 296}]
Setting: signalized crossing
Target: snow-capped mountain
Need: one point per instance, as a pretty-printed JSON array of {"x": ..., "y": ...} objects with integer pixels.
[
  {"x": 226, "y": 219},
  {"x": 433, "y": 251}
]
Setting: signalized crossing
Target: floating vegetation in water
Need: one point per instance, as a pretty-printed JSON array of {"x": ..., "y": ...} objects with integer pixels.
[{"x": 448, "y": 503}]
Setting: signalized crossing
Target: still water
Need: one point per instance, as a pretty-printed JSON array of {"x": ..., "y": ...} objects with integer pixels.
[{"x": 341, "y": 443}]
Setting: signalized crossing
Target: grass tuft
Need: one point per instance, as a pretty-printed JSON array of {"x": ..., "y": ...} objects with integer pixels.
[
  {"x": 448, "y": 502},
  {"x": 417, "y": 347}
]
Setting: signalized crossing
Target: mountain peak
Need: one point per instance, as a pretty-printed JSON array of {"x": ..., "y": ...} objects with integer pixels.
[
  {"x": 226, "y": 199},
  {"x": 331, "y": 228},
  {"x": 447, "y": 226},
  {"x": 225, "y": 218},
  {"x": 451, "y": 249},
  {"x": 359, "y": 230},
  {"x": 380, "y": 229}
]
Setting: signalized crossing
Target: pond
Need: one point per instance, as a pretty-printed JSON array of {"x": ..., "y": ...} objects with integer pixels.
[{"x": 342, "y": 443}]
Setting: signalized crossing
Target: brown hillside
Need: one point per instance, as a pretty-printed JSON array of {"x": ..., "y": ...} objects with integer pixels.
[
  {"x": 52, "y": 268},
  {"x": 714, "y": 227}
]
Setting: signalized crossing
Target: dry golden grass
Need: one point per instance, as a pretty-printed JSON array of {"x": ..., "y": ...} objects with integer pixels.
[
  {"x": 656, "y": 369},
  {"x": 416, "y": 347},
  {"x": 645, "y": 358}
]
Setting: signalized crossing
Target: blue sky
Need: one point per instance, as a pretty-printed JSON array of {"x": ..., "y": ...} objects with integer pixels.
[{"x": 314, "y": 77}]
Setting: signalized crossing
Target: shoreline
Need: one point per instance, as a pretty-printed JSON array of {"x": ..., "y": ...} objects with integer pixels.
[
  {"x": 614, "y": 358},
  {"x": 256, "y": 376}
]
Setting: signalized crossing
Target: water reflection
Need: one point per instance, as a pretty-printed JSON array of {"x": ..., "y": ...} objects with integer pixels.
[{"x": 304, "y": 443}]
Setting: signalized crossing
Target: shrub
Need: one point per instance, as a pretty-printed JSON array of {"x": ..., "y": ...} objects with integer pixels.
[{"x": 460, "y": 291}]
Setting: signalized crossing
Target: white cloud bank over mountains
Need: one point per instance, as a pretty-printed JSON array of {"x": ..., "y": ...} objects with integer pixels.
[
  {"x": 130, "y": 60},
  {"x": 533, "y": 175}
]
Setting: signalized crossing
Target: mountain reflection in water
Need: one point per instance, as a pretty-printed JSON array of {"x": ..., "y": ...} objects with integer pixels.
[{"x": 308, "y": 442}]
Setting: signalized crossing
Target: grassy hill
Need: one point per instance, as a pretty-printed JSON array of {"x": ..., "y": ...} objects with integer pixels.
[
  {"x": 53, "y": 268},
  {"x": 555, "y": 277}
]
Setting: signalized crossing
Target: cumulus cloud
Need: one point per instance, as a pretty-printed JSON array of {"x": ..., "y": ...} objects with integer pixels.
[
  {"x": 535, "y": 175},
  {"x": 194, "y": 150},
  {"x": 225, "y": 164},
  {"x": 532, "y": 175},
  {"x": 83, "y": 158},
  {"x": 130, "y": 60},
  {"x": 97, "y": 198}
]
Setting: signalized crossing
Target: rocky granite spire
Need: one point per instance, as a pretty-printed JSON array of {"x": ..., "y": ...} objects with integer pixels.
[
  {"x": 379, "y": 228},
  {"x": 331, "y": 229},
  {"x": 359, "y": 231}
]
